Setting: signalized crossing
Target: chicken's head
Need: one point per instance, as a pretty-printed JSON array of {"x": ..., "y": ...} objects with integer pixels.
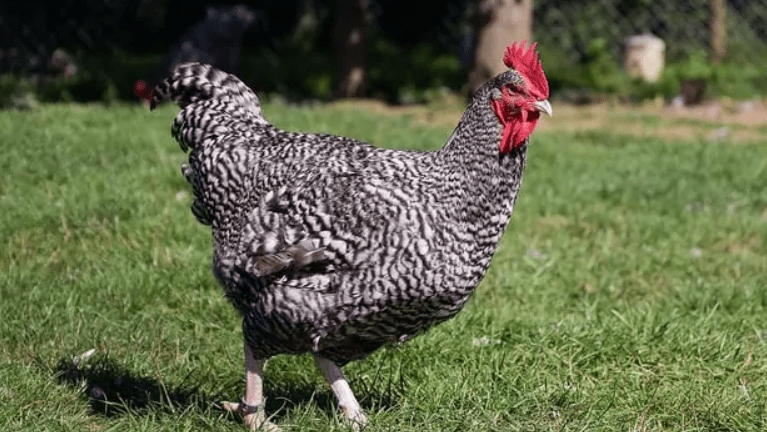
[{"x": 520, "y": 101}]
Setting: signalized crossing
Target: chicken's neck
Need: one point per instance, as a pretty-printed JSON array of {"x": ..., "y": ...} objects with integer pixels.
[{"x": 484, "y": 183}]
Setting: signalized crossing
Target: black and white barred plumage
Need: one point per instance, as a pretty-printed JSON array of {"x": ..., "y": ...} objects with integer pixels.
[{"x": 331, "y": 246}]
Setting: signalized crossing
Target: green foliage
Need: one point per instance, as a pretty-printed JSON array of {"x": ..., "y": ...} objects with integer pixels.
[
  {"x": 114, "y": 73},
  {"x": 697, "y": 66},
  {"x": 734, "y": 80},
  {"x": 628, "y": 292},
  {"x": 740, "y": 81},
  {"x": 560, "y": 71},
  {"x": 604, "y": 72},
  {"x": 407, "y": 76},
  {"x": 85, "y": 87},
  {"x": 295, "y": 69},
  {"x": 601, "y": 73},
  {"x": 16, "y": 93},
  {"x": 101, "y": 77},
  {"x": 292, "y": 68},
  {"x": 598, "y": 72}
]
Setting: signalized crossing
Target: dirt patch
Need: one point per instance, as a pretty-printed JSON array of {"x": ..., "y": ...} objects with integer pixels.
[
  {"x": 722, "y": 121},
  {"x": 738, "y": 246}
]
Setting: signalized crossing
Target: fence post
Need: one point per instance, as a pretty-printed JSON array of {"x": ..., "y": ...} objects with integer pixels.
[{"x": 718, "y": 29}]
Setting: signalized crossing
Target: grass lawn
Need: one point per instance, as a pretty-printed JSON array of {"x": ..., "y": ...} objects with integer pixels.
[{"x": 629, "y": 293}]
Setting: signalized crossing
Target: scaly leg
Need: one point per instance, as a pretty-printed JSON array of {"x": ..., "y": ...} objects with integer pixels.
[
  {"x": 252, "y": 405},
  {"x": 346, "y": 400}
]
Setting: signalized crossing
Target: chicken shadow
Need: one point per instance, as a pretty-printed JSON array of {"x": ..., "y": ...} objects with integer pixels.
[{"x": 111, "y": 390}]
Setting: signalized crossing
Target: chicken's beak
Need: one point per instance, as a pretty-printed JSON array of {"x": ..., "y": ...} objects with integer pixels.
[{"x": 543, "y": 106}]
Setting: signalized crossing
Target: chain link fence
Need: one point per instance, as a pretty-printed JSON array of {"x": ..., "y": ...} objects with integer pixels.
[
  {"x": 568, "y": 33},
  {"x": 570, "y": 26}
]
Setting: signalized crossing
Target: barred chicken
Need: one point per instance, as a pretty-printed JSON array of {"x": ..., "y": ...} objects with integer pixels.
[{"x": 334, "y": 247}]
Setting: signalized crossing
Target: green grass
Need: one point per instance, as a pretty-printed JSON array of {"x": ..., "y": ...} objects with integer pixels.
[{"x": 629, "y": 293}]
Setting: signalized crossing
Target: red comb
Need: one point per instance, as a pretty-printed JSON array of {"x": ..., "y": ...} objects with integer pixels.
[{"x": 527, "y": 63}]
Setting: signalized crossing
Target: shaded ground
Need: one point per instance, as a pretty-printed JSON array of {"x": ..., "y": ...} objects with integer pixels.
[{"x": 721, "y": 121}]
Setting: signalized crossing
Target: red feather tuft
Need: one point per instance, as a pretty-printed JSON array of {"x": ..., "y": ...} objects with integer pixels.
[
  {"x": 527, "y": 63},
  {"x": 142, "y": 90}
]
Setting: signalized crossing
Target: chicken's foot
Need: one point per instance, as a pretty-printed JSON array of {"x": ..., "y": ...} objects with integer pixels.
[
  {"x": 252, "y": 405},
  {"x": 348, "y": 404}
]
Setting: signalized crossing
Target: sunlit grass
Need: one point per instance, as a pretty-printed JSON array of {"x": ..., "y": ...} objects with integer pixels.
[{"x": 629, "y": 293}]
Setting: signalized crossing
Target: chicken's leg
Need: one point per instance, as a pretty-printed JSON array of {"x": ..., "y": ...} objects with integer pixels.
[
  {"x": 252, "y": 405},
  {"x": 346, "y": 400}
]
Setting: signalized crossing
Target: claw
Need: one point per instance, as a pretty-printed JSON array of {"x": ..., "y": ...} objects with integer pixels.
[
  {"x": 231, "y": 406},
  {"x": 356, "y": 420}
]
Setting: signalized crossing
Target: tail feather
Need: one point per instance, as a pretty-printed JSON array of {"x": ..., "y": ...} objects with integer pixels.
[{"x": 212, "y": 102}]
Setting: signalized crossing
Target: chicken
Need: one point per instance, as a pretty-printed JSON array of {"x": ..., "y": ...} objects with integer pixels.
[{"x": 334, "y": 247}]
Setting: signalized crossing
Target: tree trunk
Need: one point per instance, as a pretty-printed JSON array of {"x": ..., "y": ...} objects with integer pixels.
[
  {"x": 351, "y": 40},
  {"x": 498, "y": 24},
  {"x": 718, "y": 29}
]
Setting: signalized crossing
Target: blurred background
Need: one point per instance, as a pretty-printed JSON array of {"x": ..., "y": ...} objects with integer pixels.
[{"x": 678, "y": 53}]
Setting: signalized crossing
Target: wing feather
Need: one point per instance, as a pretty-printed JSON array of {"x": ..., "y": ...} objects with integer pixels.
[{"x": 295, "y": 228}]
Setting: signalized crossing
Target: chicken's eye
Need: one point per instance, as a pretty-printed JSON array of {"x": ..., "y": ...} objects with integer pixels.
[{"x": 513, "y": 89}]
